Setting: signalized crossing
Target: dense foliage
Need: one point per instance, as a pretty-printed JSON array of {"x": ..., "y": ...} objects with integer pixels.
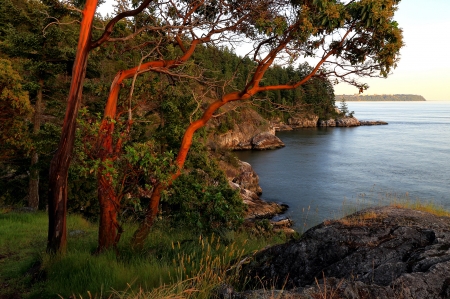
[
  {"x": 40, "y": 50},
  {"x": 381, "y": 97},
  {"x": 157, "y": 81}
]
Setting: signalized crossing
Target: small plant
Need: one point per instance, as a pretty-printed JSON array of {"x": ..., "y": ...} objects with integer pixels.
[
  {"x": 344, "y": 107},
  {"x": 327, "y": 291}
]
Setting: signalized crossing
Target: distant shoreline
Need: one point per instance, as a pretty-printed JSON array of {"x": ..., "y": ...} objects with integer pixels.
[{"x": 381, "y": 98}]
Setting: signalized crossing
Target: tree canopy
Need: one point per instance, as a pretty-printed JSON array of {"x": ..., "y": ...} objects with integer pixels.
[{"x": 152, "y": 46}]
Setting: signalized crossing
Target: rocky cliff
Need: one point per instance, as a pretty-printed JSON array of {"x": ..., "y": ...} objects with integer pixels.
[
  {"x": 384, "y": 252},
  {"x": 245, "y": 179},
  {"x": 248, "y": 131},
  {"x": 308, "y": 121}
]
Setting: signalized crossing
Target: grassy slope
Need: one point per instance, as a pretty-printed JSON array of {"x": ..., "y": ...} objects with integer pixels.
[{"x": 181, "y": 260}]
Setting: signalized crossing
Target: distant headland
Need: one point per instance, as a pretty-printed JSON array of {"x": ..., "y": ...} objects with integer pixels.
[{"x": 380, "y": 97}]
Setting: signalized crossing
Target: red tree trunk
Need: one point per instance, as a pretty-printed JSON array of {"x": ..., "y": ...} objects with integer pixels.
[
  {"x": 109, "y": 229},
  {"x": 59, "y": 166},
  {"x": 108, "y": 235},
  {"x": 144, "y": 228}
]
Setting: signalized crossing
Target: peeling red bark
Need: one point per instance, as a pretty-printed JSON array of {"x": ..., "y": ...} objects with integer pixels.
[
  {"x": 108, "y": 230},
  {"x": 59, "y": 166}
]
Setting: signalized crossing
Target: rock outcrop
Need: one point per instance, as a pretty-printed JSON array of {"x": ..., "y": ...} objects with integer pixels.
[
  {"x": 245, "y": 179},
  {"x": 266, "y": 140},
  {"x": 242, "y": 131},
  {"x": 243, "y": 175},
  {"x": 340, "y": 122},
  {"x": 347, "y": 122},
  {"x": 256, "y": 208},
  {"x": 372, "y": 122},
  {"x": 309, "y": 121},
  {"x": 384, "y": 252},
  {"x": 327, "y": 123}
]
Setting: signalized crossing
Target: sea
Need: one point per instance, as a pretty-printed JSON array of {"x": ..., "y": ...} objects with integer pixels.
[{"x": 326, "y": 173}]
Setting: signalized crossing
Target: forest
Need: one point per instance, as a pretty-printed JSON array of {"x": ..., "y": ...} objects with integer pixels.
[
  {"x": 108, "y": 117},
  {"x": 381, "y": 97}
]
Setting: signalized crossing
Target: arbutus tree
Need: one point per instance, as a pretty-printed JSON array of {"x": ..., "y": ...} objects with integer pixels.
[
  {"x": 345, "y": 40},
  {"x": 187, "y": 24},
  {"x": 59, "y": 166},
  {"x": 190, "y": 16}
]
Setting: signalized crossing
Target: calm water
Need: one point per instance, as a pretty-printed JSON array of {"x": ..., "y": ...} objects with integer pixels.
[{"x": 321, "y": 168}]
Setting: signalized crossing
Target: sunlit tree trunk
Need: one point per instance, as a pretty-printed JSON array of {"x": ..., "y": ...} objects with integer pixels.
[
  {"x": 109, "y": 229},
  {"x": 59, "y": 166}
]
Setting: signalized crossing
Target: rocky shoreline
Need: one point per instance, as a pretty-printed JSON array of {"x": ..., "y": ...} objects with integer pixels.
[
  {"x": 383, "y": 252},
  {"x": 246, "y": 181},
  {"x": 309, "y": 122},
  {"x": 255, "y": 133}
]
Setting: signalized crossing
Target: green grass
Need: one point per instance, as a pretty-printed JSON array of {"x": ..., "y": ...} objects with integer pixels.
[
  {"x": 22, "y": 238},
  {"x": 174, "y": 262}
]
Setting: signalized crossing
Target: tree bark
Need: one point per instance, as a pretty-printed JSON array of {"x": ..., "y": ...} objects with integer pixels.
[
  {"x": 59, "y": 166},
  {"x": 109, "y": 230},
  {"x": 142, "y": 232},
  {"x": 33, "y": 190}
]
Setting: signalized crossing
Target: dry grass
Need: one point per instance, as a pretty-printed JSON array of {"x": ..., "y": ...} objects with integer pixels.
[
  {"x": 429, "y": 207},
  {"x": 199, "y": 274},
  {"x": 326, "y": 291},
  {"x": 360, "y": 219}
]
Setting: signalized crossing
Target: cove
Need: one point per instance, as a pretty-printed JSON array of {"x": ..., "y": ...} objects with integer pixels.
[{"x": 322, "y": 168}]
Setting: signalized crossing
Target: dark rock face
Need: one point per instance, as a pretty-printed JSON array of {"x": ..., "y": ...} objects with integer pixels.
[
  {"x": 247, "y": 178},
  {"x": 266, "y": 140},
  {"x": 383, "y": 252}
]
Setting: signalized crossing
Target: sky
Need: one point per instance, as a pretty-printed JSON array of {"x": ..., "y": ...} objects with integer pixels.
[{"x": 424, "y": 67}]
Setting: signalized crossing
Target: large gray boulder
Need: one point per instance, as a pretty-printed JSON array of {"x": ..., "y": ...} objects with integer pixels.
[{"x": 383, "y": 252}]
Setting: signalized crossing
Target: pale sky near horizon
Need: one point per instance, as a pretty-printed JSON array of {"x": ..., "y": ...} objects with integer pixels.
[{"x": 424, "y": 67}]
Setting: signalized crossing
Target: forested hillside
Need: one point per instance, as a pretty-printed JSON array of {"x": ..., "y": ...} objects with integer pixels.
[
  {"x": 380, "y": 97},
  {"x": 112, "y": 113},
  {"x": 37, "y": 53}
]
